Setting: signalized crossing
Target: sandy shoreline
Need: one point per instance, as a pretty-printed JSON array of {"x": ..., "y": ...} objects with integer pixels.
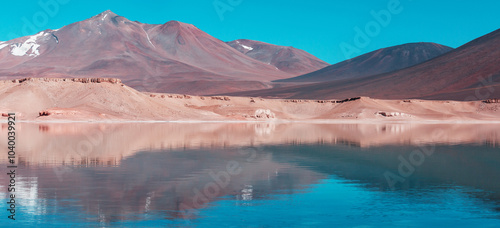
[{"x": 264, "y": 121}]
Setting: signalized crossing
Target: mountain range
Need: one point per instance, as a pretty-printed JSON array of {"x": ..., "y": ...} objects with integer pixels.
[
  {"x": 172, "y": 57},
  {"x": 287, "y": 59},
  {"x": 470, "y": 72},
  {"x": 180, "y": 58},
  {"x": 377, "y": 62}
]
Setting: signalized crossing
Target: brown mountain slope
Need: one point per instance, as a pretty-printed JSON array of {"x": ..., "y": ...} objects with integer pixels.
[
  {"x": 172, "y": 57},
  {"x": 377, "y": 62},
  {"x": 288, "y": 59},
  {"x": 470, "y": 72}
]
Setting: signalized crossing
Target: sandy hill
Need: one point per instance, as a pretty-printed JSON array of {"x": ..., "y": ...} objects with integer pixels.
[
  {"x": 98, "y": 99},
  {"x": 83, "y": 99}
]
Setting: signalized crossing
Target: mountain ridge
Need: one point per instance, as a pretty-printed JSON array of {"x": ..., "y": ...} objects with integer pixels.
[
  {"x": 170, "y": 57},
  {"x": 470, "y": 72},
  {"x": 289, "y": 59},
  {"x": 376, "y": 62}
]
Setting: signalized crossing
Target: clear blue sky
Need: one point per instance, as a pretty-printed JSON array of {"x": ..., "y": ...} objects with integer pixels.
[{"x": 318, "y": 27}]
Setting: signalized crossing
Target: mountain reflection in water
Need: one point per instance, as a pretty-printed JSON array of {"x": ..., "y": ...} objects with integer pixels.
[{"x": 178, "y": 172}]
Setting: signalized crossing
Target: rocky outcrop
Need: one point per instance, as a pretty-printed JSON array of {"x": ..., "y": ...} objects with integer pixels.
[
  {"x": 57, "y": 111},
  {"x": 44, "y": 113},
  {"x": 295, "y": 101},
  {"x": 81, "y": 80},
  {"x": 264, "y": 114},
  {"x": 324, "y": 101},
  {"x": 221, "y": 98},
  {"x": 492, "y": 101},
  {"x": 347, "y": 100},
  {"x": 393, "y": 114}
]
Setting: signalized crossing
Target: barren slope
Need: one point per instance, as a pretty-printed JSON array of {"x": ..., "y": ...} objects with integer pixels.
[
  {"x": 377, "y": 62},
  {"x": 470, "y": 72},
  {"x": 288, "y": 59},
  {"x": 109, "y": 99},
  {"x": 161, "y": 58}
]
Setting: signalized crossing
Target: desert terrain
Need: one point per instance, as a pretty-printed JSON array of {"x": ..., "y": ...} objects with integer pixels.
[{"x": 107, "y": 99}]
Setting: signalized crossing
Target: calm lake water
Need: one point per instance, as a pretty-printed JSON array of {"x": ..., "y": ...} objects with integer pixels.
[{"x": 253, "y": 175}]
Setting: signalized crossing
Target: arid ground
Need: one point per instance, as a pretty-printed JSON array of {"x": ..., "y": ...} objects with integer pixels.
[{"x": 100, "y": 99}]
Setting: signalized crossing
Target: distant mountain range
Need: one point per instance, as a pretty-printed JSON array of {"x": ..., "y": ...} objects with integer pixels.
[
  {"x": 470, "y": 72},
  {"x": 287, "y": 59},
  {"x": 179, "y": 58},
  {"x": 377, "y": 62}
]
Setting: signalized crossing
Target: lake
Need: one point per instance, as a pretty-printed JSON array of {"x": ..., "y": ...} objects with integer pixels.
[{"x": 253, "y": 175}]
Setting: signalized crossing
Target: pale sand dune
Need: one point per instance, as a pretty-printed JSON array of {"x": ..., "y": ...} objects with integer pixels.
[{"x": 110, "y": 100}]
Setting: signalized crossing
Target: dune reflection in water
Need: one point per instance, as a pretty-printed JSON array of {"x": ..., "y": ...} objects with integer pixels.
[{"x": 107, "y": 173}]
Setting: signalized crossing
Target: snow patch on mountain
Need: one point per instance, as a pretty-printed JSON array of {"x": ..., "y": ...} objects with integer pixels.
[
  {"x": 3, "y": 44},
  {"x": 244, "y": 46},
  {"x": 247, "y": 47},
  {"x": 147, "y": 35},
  {"x": 29, "y": 47},
  {"x": 150, "y": 40}
]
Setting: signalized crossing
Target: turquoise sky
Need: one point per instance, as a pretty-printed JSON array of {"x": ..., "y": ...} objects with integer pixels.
[{"x": 319, "y": 27}]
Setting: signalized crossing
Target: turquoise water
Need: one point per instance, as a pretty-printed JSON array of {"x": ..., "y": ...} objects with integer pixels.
[{"x": 268, "y": 184}]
